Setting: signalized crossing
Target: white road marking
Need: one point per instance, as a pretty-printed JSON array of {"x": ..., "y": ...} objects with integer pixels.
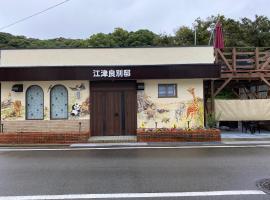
[
  {"x": 134, "y": 195},
  {"x": 133, "y": 147},
  {"x": 108, "y": 144}
]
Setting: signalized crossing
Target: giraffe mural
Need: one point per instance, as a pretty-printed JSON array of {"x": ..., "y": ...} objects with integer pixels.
[
  {"x": 193, "y": 108},
  {"x": 185, "y": 111}
]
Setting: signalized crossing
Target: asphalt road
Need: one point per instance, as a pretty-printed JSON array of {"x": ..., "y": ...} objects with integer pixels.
[{"x": 129, "y": 171}]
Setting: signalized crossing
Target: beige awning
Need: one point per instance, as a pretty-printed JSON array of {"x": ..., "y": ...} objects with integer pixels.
[{"x": 243, "y": 110}]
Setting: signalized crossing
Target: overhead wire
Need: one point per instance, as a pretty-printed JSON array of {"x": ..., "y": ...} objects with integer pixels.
[{"x": 33, "y": 15}]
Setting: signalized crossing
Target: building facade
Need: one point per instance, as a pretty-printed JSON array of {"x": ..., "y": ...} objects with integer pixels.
[{"x": 105, "y": 92}]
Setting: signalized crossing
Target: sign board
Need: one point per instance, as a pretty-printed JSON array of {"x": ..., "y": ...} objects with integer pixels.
[
  {"x": 96, "y": 73},
  {"x": 111, "y": 73}
]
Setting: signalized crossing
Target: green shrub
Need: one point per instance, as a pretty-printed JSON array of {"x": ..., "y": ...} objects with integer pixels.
[{"x": 212, "y": 120}]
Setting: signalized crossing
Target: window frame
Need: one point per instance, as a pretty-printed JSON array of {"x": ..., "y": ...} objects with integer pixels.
[
  {"x": 26, "y": 103},
  {"x": 167, "y": 85},
  {"x": 51, "y": 118}
]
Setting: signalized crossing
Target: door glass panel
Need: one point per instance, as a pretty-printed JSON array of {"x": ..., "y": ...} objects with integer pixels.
[
  {"x": 34, "y": 103},
  {"x": 59, "y": 102}
]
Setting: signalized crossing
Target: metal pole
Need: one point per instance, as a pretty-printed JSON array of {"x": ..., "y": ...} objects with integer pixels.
[
  {"x": 212, "y": 97},
  {"x": 209, "y": 42},
  {"x": 212, "y": 29},
  {"x": 195, "y": 25},
  {"x": 195, "y": 37}
]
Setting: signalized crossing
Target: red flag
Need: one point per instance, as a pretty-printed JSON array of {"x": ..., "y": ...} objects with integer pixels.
[{"x": 219, "y": 41}]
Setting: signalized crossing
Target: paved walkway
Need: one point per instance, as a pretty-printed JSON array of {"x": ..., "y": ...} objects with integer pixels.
[
  {"x": 232, "y": 137},
  {"x": 231, "y": 134}
]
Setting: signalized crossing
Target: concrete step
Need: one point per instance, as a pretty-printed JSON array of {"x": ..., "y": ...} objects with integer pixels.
[{"x": 112, "y": 139}]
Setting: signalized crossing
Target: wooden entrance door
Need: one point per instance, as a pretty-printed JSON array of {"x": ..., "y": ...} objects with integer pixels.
[{"x": 113, "y": 108}]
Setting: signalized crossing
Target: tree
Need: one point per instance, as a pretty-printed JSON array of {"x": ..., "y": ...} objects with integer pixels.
[
  {"x": 120, "y": 37},
  {"x": 101, "y": 40},
  {"x": 184, "y": 36},
  {"x": 257, "y": 32},
  {"x": 141, "y": 38},
  {"x": 164, "y": 40}
]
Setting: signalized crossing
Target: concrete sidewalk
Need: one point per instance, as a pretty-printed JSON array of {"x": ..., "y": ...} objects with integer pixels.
[
  {"x": 234, "y": 137},
  {"x": 227, "y": 138},
  {"x": 240, "y": 135}
]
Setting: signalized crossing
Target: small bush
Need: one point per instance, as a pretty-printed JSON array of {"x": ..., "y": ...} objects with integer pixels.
[{"x": 212, "y": 120}]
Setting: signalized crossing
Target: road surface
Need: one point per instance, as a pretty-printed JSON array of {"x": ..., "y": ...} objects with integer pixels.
[{"x": 176, "y": 173}]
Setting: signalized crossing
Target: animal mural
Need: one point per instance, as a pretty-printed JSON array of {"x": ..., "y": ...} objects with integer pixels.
[
  {"x": 76, "y": 110},
  {"x": 77, "y": 89},
  {"x": 11, "y": 109},
  {"x": 194, "y": 112},
  {"x": 79, "y": 104},
  {"x": 146, "y": 109},
  {"x": 179, "y": 114},
  {"x": 17, "y": 108},
  {"x": 193, "y": 108},
  {"x": 85, "y": 107},
  {"x": 80, "y": 110}
]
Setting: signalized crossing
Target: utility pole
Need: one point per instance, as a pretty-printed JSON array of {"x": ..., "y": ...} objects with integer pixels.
[{"x": 195, "y": 25}]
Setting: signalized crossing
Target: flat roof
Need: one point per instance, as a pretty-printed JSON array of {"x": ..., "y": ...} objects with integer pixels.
[{"x": 106, "y": 56}]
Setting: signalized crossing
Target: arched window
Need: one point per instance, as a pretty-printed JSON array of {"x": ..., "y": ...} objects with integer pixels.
[
  {"x": 34, "y": 102},
  {"x": 59, "y": 102}
]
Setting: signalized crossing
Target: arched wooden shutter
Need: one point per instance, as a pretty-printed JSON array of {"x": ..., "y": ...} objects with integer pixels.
[
  {"x": 34, "y": 103},
  {"x": 59, "y": 102}
]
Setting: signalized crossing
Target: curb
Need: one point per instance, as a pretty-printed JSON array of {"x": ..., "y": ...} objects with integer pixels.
[
  {"x": 89, "y": 145},
  {"x": 34, "y": 145}
]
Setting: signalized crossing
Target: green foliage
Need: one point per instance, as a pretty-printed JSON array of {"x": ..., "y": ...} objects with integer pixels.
[
  {"x": 212, "y": 120},
  {"x": 226, "y": 94},
  {"x": 184, "y": 36},
  {"x": 164, "y": 40},
  {"x": 237, "y": 33},
  {"x": 120, "y": 37},
  {"x": 141, "y": 38},
  {"x": 100, "y": 40}
]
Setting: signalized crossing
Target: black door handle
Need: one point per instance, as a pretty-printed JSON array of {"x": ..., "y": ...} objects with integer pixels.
[{"x": 116, "y": 114}]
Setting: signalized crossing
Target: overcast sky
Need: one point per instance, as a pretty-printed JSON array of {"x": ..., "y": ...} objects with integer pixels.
[{"x": 81, "y": 18}]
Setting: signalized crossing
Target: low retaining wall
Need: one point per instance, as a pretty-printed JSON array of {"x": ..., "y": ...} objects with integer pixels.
[
  {"x": 46, "y": 126},
  {"x": 44, "y": 138},
  {"x": 211, "y": 135}
]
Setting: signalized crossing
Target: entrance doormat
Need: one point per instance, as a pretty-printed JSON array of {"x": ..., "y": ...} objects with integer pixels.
[{"x": 178, "y": 135}]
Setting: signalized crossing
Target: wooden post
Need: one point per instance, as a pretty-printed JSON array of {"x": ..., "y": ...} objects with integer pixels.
[
  {"x": 235, "y": 93},
  {"x": 234, "y": 59},
  {"x": 224, "y": 59},
  {"x": 222, "y": 86},
  {"x": 266, "y": 63},
  {"x": 257, "y": 64},
  {"x": 212, "y": 97},
  {"x": 216, "y": 55},
  {"x": 265, "y": 80}
]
